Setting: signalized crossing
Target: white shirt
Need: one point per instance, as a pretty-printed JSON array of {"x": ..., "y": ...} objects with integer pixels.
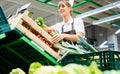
[{"x": 78, "y": 26}]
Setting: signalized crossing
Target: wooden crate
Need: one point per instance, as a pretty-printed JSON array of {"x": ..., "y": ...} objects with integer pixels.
[{"x": 29, "y": 28}]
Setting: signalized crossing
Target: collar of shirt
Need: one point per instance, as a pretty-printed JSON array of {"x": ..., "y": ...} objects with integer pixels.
[{"x": 69, "y": 21}]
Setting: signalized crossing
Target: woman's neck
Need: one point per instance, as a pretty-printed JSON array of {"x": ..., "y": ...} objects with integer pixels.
[{"x": 66, "y": 18}]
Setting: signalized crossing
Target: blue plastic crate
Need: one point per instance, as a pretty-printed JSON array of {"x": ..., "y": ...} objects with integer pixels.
[{"x": 4, "y": 26}]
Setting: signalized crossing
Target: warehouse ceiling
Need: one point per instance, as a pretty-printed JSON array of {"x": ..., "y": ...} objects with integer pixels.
[{"x": 48, "y": 10}]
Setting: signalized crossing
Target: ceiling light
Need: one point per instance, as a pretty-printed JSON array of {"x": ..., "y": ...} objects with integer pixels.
[
  {"x": 98, "y": 10},
  {"x": 103, "y": 45},
  {"x": 118, "y": 6},
  {"x": 106, "y": 19},
  {"x": 118, "y": 31}
]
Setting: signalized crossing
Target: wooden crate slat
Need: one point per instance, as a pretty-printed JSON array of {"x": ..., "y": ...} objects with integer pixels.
[
  {"x": 36, "y": 27},
  {"x": 37, "y": 40},
  {"x": 23, "y": 18}
]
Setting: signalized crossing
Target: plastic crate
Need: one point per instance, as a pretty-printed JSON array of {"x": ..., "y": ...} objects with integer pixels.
[
  {"x": 18, "y": 42},
  {"x": 106, "y": 60},
  {"x": 83, "y": 59},
  {"x": 4, "y": 26},
  {"x": 18, "y": 51}
]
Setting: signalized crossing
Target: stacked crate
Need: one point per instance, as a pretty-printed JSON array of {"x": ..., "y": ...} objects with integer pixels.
[
  {"x": 16, "y": 50},
  {"x": 20, "y": 43},
  {"x": 29, "y": 28},
  {"x": 106, "y": 60}
]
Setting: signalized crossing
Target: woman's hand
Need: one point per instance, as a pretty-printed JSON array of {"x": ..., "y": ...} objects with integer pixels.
[
  {"x": 50, "y": 30},
  {"x": 57, "y": 37}
]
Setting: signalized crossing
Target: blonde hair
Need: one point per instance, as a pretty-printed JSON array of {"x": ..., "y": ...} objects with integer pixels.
[{"x": 66, "y": 2}]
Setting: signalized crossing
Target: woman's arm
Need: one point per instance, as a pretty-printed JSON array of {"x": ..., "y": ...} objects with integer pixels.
[{"x": 71, "y": 37}]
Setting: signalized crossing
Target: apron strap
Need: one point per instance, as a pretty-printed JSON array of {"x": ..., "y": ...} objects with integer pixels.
[{"x": 71, "y": 24}]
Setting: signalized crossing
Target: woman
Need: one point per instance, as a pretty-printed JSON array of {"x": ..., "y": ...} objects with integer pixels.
[{"x": 70, "y": 28}]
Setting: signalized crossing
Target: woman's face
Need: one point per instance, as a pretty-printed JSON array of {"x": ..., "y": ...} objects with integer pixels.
[{"x": 64, "y": 10}]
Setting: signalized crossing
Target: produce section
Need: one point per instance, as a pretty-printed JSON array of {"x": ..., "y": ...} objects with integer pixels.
[{"x": 26, "y": 48}]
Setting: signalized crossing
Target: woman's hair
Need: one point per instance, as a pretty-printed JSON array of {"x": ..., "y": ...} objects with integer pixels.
[{"x": 66, "y": 2}]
